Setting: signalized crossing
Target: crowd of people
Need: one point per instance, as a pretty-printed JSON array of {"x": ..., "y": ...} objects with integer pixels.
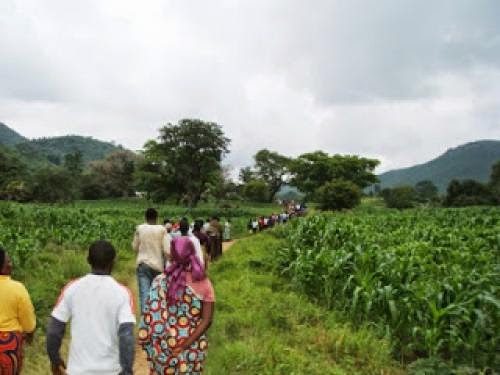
[
  {"x": 176, "y": 301},
  {"x": 291, "y": 210}
]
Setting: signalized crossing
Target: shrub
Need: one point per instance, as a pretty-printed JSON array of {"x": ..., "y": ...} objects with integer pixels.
[
  {"x": 468, "y": 193},
  {"x": 338, "y": 194},
  {"x": 256, "y": 190},
  {"x": 399, "y": 197}
]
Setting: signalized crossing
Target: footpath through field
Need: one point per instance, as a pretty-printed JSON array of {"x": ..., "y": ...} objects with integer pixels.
[
  {"x": 262, "y": 325},
  {"x": 141, "y": 365}
]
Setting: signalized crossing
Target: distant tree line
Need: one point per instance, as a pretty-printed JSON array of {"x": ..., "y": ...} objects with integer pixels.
[
  {"x": 184, "y": 165},
  {"x": 70, "y": 180},
  {"x": 458, "y": 193}
]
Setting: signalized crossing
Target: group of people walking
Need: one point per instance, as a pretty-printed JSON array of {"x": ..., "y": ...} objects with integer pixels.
[
  {"x": 176, "y": 297},
  {"x": 290, "y": 211},
  {"x": 176, "y": 301}
]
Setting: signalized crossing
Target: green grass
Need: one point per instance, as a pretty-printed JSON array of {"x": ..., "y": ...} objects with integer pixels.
[
  {"x": 48, "y": 244},
  {"x": 261, "y": 326}
]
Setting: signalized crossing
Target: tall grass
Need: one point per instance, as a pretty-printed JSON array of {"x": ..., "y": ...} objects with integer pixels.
[
  {"x": 426, "y": 278},
  {"x": 262, "y": 326}
]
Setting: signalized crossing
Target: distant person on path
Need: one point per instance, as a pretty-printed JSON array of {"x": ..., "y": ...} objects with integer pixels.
[
  {"x": 183, "y": 237},
  {"x": 17, "y": 318},
  {"x": 152, "y": 246},
  {"x": 255, "y": 225},
  {"x": 102, "y": 321},
  {"x": 206, "y": 226},
  {"x": 227, "y": 230},
  {"x": 204, "y": 240},
  {"x": 215, "y": 233},
  {"x": 177, "y": 314}
]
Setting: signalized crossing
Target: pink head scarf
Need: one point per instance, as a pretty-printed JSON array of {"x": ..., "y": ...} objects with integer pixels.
[{"x": 184, "y": 259}]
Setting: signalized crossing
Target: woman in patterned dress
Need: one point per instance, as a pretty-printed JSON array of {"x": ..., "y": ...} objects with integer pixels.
[{"x": 177, "y": 314}]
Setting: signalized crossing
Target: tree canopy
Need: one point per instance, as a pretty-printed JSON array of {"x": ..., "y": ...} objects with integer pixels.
[
  {"x": 312, "y": 170},
  {"x": 271, "y": 168},
  {"x": 184, "y": 160}
]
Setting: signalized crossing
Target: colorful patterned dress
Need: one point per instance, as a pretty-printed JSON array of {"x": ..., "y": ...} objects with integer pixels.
[
  {"x": 162, "y": 327},
  {"x": 10, "y": 353}
]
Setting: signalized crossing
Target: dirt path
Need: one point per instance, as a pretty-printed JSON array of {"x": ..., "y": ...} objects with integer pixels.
[
  {"x": 227, "y": 245},
  {"x": 141, "y": 364}
]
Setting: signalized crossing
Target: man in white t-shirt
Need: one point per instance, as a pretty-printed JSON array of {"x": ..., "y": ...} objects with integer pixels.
[
  {"x": 102, "y": 321},
  {"x": 153, "y": 246}
]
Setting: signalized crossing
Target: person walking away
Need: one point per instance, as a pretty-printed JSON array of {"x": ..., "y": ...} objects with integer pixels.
[
  {"x": 255, "y": 225},
  {"x": 249, "y": 226},
  {"x": 185, "y": 236},
  {"x": 152, "y": 247},
  {"x": 177, "y": 314},
  {"x": 17, "y": 318},
  {"x": 227, "y": 230},
  {"x": 206, "y": 226},
  {"x": 204, "y": 240},
  {"x": 102, "y": 318},
  {"x": 216, "y": 229}
]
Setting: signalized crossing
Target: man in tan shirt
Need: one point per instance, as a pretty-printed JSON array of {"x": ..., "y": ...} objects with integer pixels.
[{"x": 152, "y": 246}]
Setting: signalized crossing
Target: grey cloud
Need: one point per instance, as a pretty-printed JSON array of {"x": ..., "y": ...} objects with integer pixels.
[{"x": 290, "y": 75}]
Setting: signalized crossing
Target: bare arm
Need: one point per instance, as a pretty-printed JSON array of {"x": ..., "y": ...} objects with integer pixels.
[{"x": 206, "y": 321}]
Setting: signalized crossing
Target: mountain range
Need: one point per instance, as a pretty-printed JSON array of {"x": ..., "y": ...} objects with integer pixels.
[
  {"x": 53, "y": 149},
  {"x": 469, "y": 161}
]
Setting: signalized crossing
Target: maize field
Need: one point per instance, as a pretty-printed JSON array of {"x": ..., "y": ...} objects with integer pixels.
[{"x": 428, "y": 279}]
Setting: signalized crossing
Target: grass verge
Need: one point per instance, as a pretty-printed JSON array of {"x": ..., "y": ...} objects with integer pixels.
[{"x": 261, "y": 326}]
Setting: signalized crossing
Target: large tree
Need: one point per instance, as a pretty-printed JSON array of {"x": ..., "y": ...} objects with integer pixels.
[
  {"x": 114, "y": 174},
  {"x": 54, "y": 184},
  {"x": 272, "y": 168},
  {"x": 185, "y": 157},
  {"x": 312, "y": 170}
]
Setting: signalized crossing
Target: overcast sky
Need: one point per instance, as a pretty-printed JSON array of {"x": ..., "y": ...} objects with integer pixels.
[{"x": 398, "y": 80}]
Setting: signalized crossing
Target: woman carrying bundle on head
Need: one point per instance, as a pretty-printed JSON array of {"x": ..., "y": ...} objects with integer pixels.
[{"x": 177, "y": 313}]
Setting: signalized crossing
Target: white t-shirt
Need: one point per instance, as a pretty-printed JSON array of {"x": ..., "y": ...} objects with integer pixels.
[{"x": 96, "y": 306}]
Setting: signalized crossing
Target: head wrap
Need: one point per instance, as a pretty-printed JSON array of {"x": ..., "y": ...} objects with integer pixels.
[{"x": 184, "y": 259}]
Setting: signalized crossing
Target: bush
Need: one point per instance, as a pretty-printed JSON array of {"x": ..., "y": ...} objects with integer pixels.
[
  {"x": 256, "y": 191},
  {"x": 399, "y": 197},
  {"x": 338, "y": 194},
  {"x": 54, "y": 184},
  {"x": 426, "y": 191},
  {"x": 468, "y": 193}
]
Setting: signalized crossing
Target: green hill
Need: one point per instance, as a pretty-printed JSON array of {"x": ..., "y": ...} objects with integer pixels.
[
  {"x": 56, "y": 147},
  {"x": 9, "y": 137},
  {"x": 469, "y": 161},
  {"x": 53, "y": 149}
]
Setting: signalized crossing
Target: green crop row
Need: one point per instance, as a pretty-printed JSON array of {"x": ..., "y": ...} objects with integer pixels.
[{"x": 428, "y": 279}]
